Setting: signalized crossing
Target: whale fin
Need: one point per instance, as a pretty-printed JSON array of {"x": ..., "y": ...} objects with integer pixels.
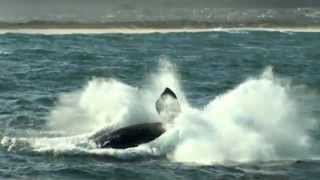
[{"x": 167, "y": 105}]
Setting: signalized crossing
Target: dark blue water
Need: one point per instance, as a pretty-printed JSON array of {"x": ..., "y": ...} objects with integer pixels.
[{"x": 37, "y": 70}]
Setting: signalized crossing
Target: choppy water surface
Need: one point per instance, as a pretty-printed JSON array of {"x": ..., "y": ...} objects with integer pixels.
[{"x": 250, "y": 105}]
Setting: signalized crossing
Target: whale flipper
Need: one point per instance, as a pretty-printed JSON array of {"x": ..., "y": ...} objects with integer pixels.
[{"x": 167, "y": 105}]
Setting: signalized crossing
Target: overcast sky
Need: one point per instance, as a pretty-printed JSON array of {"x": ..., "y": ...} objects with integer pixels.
[
  {"x": 12, "y": 4},
  {"x": 13, "y": 9}
]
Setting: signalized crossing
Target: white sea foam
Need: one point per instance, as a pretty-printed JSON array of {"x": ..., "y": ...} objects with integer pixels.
[{"x": 257, "y": 120}]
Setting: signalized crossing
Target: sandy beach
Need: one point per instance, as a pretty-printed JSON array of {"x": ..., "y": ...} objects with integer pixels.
[{"x": 144, "y": 30}]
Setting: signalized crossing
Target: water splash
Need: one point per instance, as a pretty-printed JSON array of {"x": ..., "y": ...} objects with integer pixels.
[
  {"x": 256, "y": 121},
  {"x": 259, "y": 120}
]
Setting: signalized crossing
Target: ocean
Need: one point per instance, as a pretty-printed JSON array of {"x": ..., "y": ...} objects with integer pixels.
[{"x": 249, "y": 100}]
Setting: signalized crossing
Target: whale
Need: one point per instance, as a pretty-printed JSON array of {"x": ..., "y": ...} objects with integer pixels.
[{"x": 167, "y": 106}]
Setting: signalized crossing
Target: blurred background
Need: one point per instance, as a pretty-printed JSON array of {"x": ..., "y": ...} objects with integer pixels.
[{"x": 174, "y": 13}]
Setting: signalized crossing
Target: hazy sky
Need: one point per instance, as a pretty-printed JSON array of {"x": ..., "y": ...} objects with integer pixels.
[
  {"x": 42, "y": 9},
  {"x": 19, "y": 4}
]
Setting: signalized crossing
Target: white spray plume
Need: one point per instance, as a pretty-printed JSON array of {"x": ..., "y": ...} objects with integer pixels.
[{"x": 260, "y": 119}]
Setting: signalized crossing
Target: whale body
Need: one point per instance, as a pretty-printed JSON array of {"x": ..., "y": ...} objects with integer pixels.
[
  {"x": 135, "y": 135},
  {"x": 130, "y": 136}
]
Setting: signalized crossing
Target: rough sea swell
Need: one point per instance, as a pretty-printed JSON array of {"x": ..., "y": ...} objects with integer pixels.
[{"x": 56, "y": 91}]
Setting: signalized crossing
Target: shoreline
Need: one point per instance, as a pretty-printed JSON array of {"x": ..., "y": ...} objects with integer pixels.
[{"x": 85, "y": 30}]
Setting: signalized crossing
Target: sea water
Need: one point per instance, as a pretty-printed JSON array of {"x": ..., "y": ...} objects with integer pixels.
[{"x": 249, "y": 104}]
